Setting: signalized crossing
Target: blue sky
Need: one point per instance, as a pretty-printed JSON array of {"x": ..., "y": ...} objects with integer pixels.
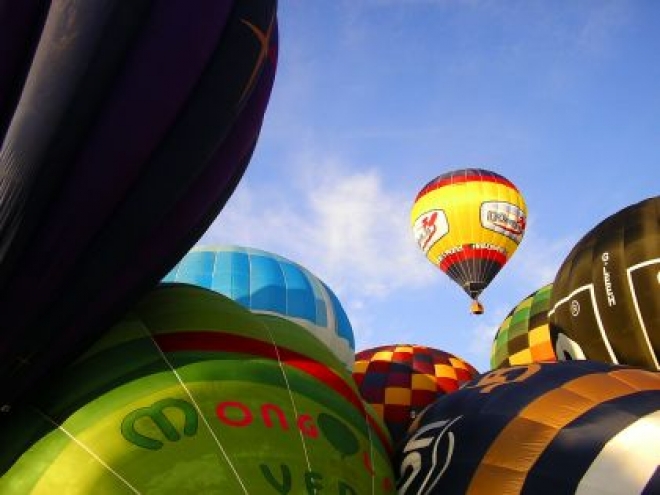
[{"x": 374, "y": 98}]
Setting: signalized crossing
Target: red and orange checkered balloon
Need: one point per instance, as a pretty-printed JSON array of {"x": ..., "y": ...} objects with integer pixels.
[{"x": 401, "y": 380}]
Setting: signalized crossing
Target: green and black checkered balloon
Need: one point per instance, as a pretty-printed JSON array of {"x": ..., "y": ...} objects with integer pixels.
[{"x": 524, "y": 335}]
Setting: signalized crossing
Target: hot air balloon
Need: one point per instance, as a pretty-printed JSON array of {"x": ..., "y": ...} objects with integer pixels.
[
  {"x": 20, "y": 25},
  {"x": 131, "y": 124},
  {"x": 579, "y": 427},
  {"x": 192, "y": 393},
  {"x": 401, "y": 380},
  {"x": 268, "y": 283},
  {"x": 524, "y": 336},
  {"x": 605, "y": 302},
  {"x": 468, "y": 223}
]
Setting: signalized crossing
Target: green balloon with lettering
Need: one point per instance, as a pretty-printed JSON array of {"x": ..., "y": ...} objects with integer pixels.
[{"x": 190, "y": 393}]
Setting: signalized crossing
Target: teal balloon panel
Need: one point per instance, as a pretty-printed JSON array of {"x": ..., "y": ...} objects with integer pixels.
[{"x": 265, "y": 282}]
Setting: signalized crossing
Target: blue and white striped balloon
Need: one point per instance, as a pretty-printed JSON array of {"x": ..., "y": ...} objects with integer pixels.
[{"x": 268, "y": 283}]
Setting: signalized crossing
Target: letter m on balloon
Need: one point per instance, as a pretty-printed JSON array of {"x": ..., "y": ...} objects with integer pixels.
[{"x": 166, "y": 419}]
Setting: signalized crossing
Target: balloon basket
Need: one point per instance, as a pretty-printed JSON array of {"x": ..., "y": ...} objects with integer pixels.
[{"x": 476, "y": 308}]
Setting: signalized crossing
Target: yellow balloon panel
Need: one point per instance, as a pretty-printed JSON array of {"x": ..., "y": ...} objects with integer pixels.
[{"x": 469, "y": 223}]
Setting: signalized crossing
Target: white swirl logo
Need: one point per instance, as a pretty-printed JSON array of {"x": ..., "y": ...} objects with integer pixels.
[
  {"x": 567, "y": 349},
  {"x": 423, "y": 448}
]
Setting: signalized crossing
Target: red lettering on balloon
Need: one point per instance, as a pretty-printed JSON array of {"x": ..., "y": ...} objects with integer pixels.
[
  {"x": 221, "y": 408},
  {"x": 265, "y": 408},
  {"x": 306, "y": 426}
]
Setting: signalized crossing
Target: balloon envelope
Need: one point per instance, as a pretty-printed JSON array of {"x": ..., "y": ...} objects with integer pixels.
[
  {"x": 579, "y": 427},
  {"x": 268, "y": 283},
  {"x": 524, "y": 336},
  {"x": 20, "y": 26},
  {"x": 129, "y": 126},
  {"x": 468, "y": 223},
  {"x": 191, "y": 393},
  {"x": 605, "y": 301},
  {"x": 401, "y": 380}
]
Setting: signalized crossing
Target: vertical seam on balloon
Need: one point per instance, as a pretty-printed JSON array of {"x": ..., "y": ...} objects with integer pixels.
[
  {"x": 483, "y": 261},
  {"x": 485, "y": 268},
  {"x": 481, "y": 268},
  {"x": 90, "y": 452},
  {"x": 288, "y": 388},
  {"x": 216, "y": 257},
  {"x": 465, "y": 266},
  {"x": 629, "y": 271},
  {"x": 371, "y": 450},
  {"x": 249, "y": 287},
  {"x": 287, "y": 310},
  {"x": 313, "y": 283},
  {"x": 199, "y": 411},
  {"x": 331, "y": 317},
  {"x": 470, "y": 262},
  {"x": 462, "y": 272}
]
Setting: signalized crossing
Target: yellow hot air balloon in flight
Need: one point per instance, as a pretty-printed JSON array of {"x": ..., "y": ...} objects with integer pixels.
[{"x": 468, "y": 223}]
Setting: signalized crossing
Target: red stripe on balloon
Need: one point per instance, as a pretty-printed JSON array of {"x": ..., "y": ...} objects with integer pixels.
[
  {"x": 470, "y": 253},
  {"x": 227, "y": 342},
  {"x": 461, "y": 179}
]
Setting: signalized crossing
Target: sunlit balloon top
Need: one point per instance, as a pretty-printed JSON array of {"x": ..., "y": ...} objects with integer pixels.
[
  {"x": 468, "y": 223},
  {"x": 191, "y": 393},
  {"x": 268, "y": 283}
]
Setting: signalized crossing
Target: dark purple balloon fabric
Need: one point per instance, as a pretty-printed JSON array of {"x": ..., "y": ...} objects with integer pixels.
[{"x": 121, "y": 150}]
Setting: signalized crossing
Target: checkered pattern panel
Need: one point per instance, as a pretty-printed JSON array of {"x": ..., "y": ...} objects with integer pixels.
[
  {"x": 524, "y": 335},
  {"x": 401, "y": 380}
]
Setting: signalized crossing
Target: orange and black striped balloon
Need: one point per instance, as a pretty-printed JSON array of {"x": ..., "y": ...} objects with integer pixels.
[{"x": 568, "y": 427}]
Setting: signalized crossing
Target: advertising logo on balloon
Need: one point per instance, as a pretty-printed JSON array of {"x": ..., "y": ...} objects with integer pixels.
[
  {"x": 322, "y": 430},
  {"x": 504, "y": 218},
  {"x": 607, "y": 280},
  {"x": 504, "y": 376},
  {"x": 429, "y": 228},
  {"x": 160, "y": 415},
  {"x": 428, "y": 453}
]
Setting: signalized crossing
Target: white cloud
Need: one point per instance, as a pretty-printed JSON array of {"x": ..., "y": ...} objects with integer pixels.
[
  {"x": 345, "y": 226},
  {"x": 351, "y": 228},
  {"x": 364, "y": 231}
]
